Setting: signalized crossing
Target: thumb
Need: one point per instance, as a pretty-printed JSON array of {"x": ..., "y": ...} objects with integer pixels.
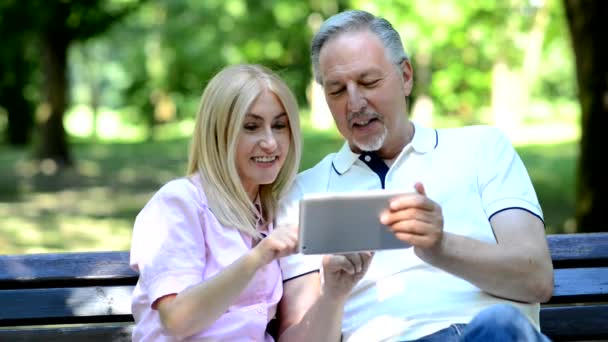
[{"x": 420, "y": 188}]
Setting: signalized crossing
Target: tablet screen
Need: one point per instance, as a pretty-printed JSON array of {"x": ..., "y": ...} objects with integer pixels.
[{"x": 334, "y": 223}]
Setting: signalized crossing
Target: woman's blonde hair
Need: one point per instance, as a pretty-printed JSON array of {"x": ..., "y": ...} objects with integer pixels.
[{"x": 224, "y": 104}]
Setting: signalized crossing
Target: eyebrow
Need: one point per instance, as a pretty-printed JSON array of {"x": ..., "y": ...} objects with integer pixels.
[
  {"x": 259, "y": 117},
  {"x": 364, "y": 74}
]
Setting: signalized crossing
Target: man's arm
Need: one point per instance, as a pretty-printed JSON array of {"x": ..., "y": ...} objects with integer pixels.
[
  {"x": 311, "y": 311},
  {"x": 517, "y": 267}
]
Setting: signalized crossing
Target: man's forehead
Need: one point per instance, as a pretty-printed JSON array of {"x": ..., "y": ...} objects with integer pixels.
[{"x": 353, "y": 54}]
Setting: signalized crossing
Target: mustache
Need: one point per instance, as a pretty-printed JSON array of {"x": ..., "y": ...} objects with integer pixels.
[{"x": 368, "y": 115}]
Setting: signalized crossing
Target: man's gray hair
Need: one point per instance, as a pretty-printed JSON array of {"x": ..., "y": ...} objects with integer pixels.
[{"x": 355, "y": 21}]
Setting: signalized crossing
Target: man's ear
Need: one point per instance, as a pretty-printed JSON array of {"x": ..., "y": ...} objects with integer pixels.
[{"x": 408, "y": 76}]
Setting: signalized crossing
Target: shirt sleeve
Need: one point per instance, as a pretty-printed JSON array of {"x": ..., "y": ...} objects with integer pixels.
[
  {"x": 503, "y": 179},
  {"x": 294, "y": 265},
  {"x": 168, "y": 246}
]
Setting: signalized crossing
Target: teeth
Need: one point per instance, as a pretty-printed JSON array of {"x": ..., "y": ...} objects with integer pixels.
[
  {"x": 264, "y": 159},
  {"x": 362, "y": 123}
]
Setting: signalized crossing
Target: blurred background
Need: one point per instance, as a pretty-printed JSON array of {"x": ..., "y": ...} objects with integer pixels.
[{"x": 98, "y": 97}]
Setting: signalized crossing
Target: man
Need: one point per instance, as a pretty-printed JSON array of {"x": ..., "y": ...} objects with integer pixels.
[{"x": 479, "y": 264}]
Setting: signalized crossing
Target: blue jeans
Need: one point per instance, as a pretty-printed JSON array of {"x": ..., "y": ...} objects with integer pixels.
[{"x": 497, "y": 323}]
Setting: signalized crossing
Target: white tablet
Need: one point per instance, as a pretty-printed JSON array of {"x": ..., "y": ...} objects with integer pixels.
[{"x": 334, "y": 223}]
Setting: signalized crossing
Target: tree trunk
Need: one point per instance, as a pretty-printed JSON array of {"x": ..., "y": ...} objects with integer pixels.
[
  {"x": 588, "y": 26},
  {"x": 16, "y": 70},
  {"x": 53, "y": 141},
  {"x": 20, "y": 118}
]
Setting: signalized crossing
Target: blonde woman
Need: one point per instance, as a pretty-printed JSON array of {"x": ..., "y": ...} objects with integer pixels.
[{"x": 205, "y": 245}]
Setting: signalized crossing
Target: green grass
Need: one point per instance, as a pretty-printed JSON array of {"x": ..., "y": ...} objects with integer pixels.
[
  {"x": 92, "y": 206},
  {"x": 552, "y": 169}
]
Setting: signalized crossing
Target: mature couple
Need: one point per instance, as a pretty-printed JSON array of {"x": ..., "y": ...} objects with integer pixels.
[{"x": 215, "y": 250}]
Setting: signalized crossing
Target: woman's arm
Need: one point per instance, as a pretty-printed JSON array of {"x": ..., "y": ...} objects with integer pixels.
[{"x": 199, "y": 306}]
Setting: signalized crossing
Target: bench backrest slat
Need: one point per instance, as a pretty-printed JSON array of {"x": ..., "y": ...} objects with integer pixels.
[
  {"x": 65, "y": 305},
  {"x": 56, "y": 270},
  {"x": 579, "y": 250},
  {"x": 580, "y": 284}
]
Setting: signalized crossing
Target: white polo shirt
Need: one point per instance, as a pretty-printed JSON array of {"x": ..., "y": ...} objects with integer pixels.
[{"x": 472, "y": 173}]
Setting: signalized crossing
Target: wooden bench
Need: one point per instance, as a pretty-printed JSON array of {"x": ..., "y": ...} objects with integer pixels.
[{"x": 86, "y": 296}]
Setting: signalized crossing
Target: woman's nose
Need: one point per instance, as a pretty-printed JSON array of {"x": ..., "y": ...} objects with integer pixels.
[{"x": 269, "y": 142}]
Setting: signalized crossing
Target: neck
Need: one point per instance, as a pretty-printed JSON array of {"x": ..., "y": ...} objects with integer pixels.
[
  {"x": 253, "y": 193},
  {"x": 393, "y": 146}
]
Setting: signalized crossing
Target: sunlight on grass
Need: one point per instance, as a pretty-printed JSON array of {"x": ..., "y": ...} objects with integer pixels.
[
  {"x": 112, "y": 128},
  {"x": 61, "y": 233},
  {"x": 545, "y": 134}
]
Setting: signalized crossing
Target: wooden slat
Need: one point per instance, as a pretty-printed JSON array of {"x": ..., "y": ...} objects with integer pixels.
[
  {"x": 579, "y": 250},
  {"x": 114, "y": 333},
  {"x": 575, "y": 322},
  {"x": 580, "y": 285},
  {"x": 74, "y": 269},
  {"x": 65, "y": 305}
]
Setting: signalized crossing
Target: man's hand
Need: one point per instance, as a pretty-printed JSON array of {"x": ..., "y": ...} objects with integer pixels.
[
  {"x": 342, "y": 272},
  {"x": 415, "y": 219}
]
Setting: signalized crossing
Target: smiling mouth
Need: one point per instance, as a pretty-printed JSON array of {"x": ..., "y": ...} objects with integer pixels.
[
  {"x": 266, "y": 159},
  {"x": 363, "y": 122}
]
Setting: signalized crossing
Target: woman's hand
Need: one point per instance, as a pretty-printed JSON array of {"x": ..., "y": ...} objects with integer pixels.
[
  {"x": 283, "y": 241},
  {"x": 342, "y": 272}
]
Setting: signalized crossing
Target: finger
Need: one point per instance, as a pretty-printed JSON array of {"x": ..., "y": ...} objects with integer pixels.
[
  {"x": 420, "y": 188},
  {"x": 391, "y": 217},
  {"x": 290, "y": 240},
  {"x": 422, "y": 241},
  {"x": 416, "y": 227},
  {"x": 367, "y": 260},
  {"x": 344, "y": 264},
  {"x": 413, "y": 200},
  {"x": 356, "y": 260}
]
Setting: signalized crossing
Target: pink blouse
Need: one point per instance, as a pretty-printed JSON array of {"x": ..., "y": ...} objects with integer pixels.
[{"x": 177, "y": 243}]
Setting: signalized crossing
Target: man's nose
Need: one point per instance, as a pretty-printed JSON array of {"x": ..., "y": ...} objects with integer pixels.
[{"x": 356, "y": 100}]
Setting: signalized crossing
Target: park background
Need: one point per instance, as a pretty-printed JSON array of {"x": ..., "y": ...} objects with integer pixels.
[{"x": 98, "y": 98}]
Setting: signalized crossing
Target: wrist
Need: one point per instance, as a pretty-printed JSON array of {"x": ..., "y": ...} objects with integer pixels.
[
  {"x": 254, "y": 259},
  {"x": 432, "y": 254},
  {"x": 333, "y": 295}
]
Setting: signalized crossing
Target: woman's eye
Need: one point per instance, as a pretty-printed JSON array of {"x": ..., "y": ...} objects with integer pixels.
[
  {"x": 250, "y": 127},
  {"x": 280, "y": 125}
]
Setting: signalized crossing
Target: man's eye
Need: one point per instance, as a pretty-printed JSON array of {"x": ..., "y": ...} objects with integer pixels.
[
  {"x": 336, "y": 92},
  {"x": 370, "y": 83}
]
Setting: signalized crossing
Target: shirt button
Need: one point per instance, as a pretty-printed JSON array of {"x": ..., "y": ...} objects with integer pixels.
[{"x": 367, "y": 158}]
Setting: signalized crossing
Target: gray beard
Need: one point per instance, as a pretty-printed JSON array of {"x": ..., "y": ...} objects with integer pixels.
[{"x": 375, "y": 144}]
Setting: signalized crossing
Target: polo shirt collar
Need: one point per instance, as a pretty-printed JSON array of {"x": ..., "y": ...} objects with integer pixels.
[{"x": 425, "y": 140}]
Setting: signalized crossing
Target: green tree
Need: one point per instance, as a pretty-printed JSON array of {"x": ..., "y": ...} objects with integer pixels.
[{"x": 56, "y": 25}]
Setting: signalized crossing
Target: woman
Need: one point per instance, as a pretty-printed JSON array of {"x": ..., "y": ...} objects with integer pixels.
[{"x": 204, "y": 245}]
